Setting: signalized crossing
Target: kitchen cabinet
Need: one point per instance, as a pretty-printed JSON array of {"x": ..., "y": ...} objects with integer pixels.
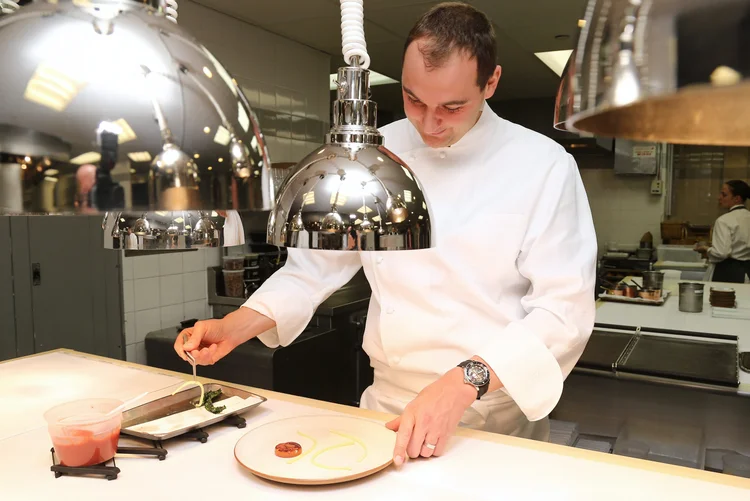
[
  {"x": 59, "y": 288},
  {"x": 7, "y": 316}
]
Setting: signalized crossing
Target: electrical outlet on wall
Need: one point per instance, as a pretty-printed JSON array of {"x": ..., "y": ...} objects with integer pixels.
[{"x": 657, "y": 186}]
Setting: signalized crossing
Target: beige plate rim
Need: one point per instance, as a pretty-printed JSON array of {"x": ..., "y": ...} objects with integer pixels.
[{"x": 325, "y": 481}]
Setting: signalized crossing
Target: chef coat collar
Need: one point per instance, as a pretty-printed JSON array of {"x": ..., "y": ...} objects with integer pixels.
[
  {"x": 737, "y": 207},
  {"x": 472, "y": 138}
]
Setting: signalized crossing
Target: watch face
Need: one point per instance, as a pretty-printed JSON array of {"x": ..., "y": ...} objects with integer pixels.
[{"x": 477, "y": 374}]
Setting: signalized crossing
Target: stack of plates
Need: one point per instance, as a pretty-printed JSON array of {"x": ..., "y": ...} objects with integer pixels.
[{"x": 722, "y": 298}]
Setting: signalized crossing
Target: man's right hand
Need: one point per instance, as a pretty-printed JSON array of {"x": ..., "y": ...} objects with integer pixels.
[{"x": 211, "y": 340}]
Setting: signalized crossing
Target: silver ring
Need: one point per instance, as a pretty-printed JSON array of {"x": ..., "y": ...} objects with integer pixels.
[{"x": 430, "y": 446}]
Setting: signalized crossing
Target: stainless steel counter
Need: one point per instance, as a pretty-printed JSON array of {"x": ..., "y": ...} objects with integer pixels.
[{"x": 707, "y": 362}]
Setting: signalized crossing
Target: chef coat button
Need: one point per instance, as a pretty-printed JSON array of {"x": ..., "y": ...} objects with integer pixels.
[
  {"x": 443, "y": 154},
  {"x": 396, "y": 360},
  {"x": 390, "y": 310},
  {"x": 412, "y": 158},
  {"x": 379, "y": 260}
]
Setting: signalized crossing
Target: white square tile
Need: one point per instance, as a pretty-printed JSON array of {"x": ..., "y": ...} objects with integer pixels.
[
  {"x": 128, "y": 299},
  {"x": 274, "y": 151},
  {"x": 146, "y": 266},
  {"x": 311, "y": 107},
  {"x": 146, "y": 292},
  {"x": 171, "y": 316},
  {"x": 130, "y": 328},
  {"x": 170, "y": 264},
  {"x": 212, "y": 256},
  {"x": 267, "y": 95},
  {"x": 284, "y": 125},
  {"x": 130, "y": 353},
  {"x": 250, "y": 89},
  {"x": 283, "y": 100},
  {"x": 194, "y": 286},
  {"x": 196, "y": 309},
  {"x": 140, "y": 353},
  {"x": 324, "y": 102},
  {"x": 193, "y": 261},
  {"x": 147, "y": 321},
  {"x": 298, "y": 128},
  {"x": 170, "y": 290},
  {"x": 299, "y": 103},
  {"x": 127, "y": 268},
  {"x": 285, "y": 149}
]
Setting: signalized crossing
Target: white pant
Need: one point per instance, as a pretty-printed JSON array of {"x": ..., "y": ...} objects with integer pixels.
[{"x": 495, "y": 412}]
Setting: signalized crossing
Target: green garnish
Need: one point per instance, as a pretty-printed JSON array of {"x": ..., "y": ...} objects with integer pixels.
[{"x": 208, "y": 402}]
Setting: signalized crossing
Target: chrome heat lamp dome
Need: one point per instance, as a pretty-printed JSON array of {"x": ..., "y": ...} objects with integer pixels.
[
  {"x": 109, "y": 106},
  {"x": 352, "y": 193}
]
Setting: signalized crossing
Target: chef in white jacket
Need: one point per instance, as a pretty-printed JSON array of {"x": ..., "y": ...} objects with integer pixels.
[
  {"x": 508, "y": 291},
  {"x": 729, "y": 254}
]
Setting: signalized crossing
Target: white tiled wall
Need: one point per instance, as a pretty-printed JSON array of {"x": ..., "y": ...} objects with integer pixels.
[
  {"x": 623, "y": 207},
  {"x": 160, "y": 291},
  {"x": 284, "y": 81}
]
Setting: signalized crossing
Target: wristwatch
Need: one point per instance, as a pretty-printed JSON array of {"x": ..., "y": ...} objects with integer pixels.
[{"x": 476, "y": 374}]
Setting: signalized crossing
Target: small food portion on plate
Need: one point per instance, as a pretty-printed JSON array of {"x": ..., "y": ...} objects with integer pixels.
[{"x": 288, "y": 450}]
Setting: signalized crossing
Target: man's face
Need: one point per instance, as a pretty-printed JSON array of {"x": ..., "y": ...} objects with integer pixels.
[
  {"x": 443, "y": 103},
  {"x": 726, "y": 199}
]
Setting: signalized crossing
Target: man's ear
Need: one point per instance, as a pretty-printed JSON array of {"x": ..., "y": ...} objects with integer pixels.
[{"x": 489, "y": 89}]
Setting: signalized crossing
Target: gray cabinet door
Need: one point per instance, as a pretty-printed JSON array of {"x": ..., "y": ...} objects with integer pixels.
[
  {"x": 7, "y": 304},
  {"x": 75, "y": 286}
]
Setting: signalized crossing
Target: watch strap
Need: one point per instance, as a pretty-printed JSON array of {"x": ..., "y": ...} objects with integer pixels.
[{"x": 481, "y": 390}]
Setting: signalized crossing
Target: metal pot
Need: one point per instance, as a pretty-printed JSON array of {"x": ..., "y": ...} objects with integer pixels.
[
  {"x": 650, "y": 294},
  {"x": 631, "y": 291},
  {"x": 691, "y": 297},
  {"x": 653, "y": 279},
  {"x": 618, "y": 290}
]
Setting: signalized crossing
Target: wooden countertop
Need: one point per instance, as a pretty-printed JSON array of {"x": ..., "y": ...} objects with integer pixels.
[{"x": 478, "y": 464}]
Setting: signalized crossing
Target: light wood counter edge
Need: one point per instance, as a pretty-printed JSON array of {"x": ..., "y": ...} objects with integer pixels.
[{"x": 678, "y": 471}]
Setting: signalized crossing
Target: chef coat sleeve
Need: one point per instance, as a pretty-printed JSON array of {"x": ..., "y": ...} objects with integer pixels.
[
  {"x": 721, "y": 242},
  {"x": 292, "y": 294},
  {"x": 532, "y": 356}
]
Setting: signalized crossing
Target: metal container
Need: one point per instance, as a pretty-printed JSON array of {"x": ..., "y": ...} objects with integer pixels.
[
  {"x": 650, "y": 294},
  {"x": 691, "y": 297},
  {"x": 653, "y": 279},
  {"x": 179, "y": 402}
]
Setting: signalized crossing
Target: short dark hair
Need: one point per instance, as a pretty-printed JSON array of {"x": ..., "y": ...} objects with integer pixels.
[
  {"x": 739, "y": 188},
  {"x": 453, "y": 26}
]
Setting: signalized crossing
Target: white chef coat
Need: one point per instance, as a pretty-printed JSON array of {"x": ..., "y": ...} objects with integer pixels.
[
  {"x": 511, "y": 278},
  {"x": 234, "y": 232},
  {"x": 731, "y": 238}
]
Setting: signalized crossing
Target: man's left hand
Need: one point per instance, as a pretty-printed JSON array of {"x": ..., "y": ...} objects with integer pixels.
[{"x": 431, "y": 419}]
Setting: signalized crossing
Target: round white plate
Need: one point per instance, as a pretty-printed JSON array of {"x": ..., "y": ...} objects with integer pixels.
[{"x": 334, "y": 449}]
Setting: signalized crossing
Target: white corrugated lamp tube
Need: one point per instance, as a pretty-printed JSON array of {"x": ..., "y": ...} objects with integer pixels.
[{"x": 352, "y": 193}]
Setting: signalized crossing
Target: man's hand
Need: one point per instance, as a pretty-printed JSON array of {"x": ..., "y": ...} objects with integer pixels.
[
  {"x": 207, "y": 342},
  {"x": 211, "y": 340},
  {"x": 432, "y": 417}
]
